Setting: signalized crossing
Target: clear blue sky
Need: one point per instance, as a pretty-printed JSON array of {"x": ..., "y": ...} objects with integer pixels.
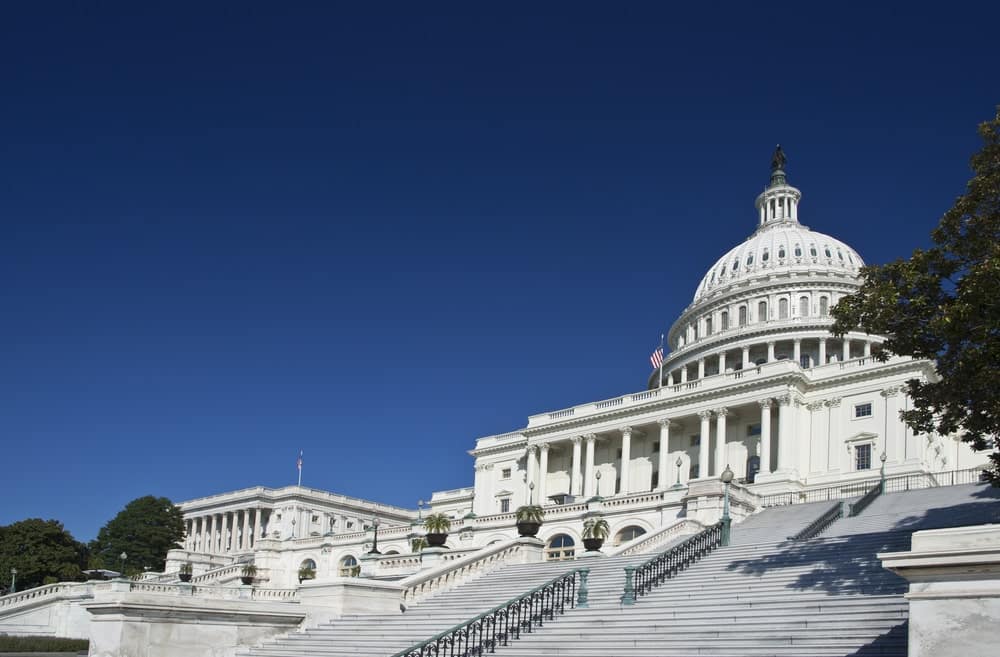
[{"x": 374, "y": 231}]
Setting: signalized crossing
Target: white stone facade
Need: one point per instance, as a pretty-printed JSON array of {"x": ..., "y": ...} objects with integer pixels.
[{"x": 754, "y": 380}]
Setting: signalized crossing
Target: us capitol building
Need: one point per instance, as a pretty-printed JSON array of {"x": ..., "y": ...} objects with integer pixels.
[{"x": 753, "y": 380}]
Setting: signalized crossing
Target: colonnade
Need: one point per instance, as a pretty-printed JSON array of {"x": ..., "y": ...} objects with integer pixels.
[
  {"x": 227, "y": 531},
  {"x": 746, "y": 356},
  {"x": 582, "y": 469}
]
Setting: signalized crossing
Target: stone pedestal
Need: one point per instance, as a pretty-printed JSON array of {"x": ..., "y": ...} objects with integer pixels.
[
  {"x": 954, "y": 595},
  {"x": 432, "y": 557}
]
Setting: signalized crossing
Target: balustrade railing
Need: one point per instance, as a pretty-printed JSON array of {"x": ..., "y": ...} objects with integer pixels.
[
  {"x": 866, "y": 499},
  {"x": 640, "y": 580},
  {"x": 505, "y": 623}
]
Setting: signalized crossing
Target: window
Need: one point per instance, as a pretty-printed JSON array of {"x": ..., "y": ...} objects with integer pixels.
[
  {"x": 824, "y": 306},
  {"x": 849, "y": 258},
  {"x": 782, "y": 308},
  {"x": 708, "y": 326},
  {"x": 629, "y": 533},
  {"x": 618, "y": 453},
  {"x": 812, "y": 250},
  {"x": 863, "y": 457},
  {"x": 743, "y": 315},
  {"x": 781, "y": 253},
  {"x": 350, "y": 524},
  {"x": 863, "y": 410},
  {"x": 749, "y": 260},
  {"x": 505, "y": 505},
  {"x": 798, "y": 251},
  {"x": 654, "y": 480},
  {"x": 805, "y": 362},
  {"x": 840, "y": 255},
  {"x": 315, "y": 518},
  {"x": 348, "y": 567},
  {"x": 803, "y": 306},
  {"x": 724, "y": 320},
  {"x": 656, "y": 446},
  {"x": 762, "y": 311},
  {"x": 560, "y": 548},
  {"x": 505, "y": 473},
  {"x": 765, "y": 256},
  {"x": 695, "y": 440},
  {"x": 736, "y": 264},
  {"x": 826, "y": 251}
]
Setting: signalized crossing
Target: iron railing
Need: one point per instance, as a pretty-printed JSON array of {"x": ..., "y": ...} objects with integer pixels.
[
  {"x": 866, "y": 499},
  {"x": 505, "y": 623},
  {"x": 893, "y": 484},
  {"x": 818, "y": 525},
  {"x": 639, "y": 580}
]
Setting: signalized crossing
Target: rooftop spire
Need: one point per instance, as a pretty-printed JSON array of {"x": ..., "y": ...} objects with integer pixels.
[{"x": 778, "y": 167}]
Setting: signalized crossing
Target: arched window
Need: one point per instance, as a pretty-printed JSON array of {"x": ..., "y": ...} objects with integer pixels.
[
  {"x": 798, "y": 251},
  {"x": 708, "y": 326},
  {"x": 749, "y": 260},
  {"x": 840, "y": 255},
  {"x": 307, "y": 569},
  {"x": 803, "y": 306},
  {"x": 560, "y": 548},
  {"x": 628, "y": 533},
  {"x": 849, "y": 258},
  {"x": 348, "y": 567},
  {"x": 781, "y": 253},
  {"x": 782, "y": 308},
  {"x": 743, "y": 315},
  {"x": 824, "y": 306},
  {"x": 712, "y": 279},
  {"x": 826, "y": 251},
  {"x": 762, "y": 311},
  {"x": 724, "y": 320},
  {"x": 736, "y": 264},
  {"x": 765, "y": 256},
  {"x": 812, "y": 250}
]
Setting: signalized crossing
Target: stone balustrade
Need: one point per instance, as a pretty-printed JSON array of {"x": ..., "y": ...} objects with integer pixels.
[{"x": 649, "y": 542}]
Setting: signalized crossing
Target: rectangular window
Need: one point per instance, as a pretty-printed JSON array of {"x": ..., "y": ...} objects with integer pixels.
[
  {"x": 753, "y": 430},
  {"x": 315, "y": 518},
  {"x": 505, "y": 505},
  {"x": 656, "y": 446},
  {"x": 863, "y": 410},
  {"x": 863, "y": 457},
  {"x": 655, "y": 481},
  {"x": 695, "y": 441},
  {"x": 505, "y": 473}
]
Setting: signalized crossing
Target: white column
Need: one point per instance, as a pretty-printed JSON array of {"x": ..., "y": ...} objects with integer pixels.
[
  {"x": 703, "y": 452},
  {"x": 670, "y": 378},
  {"x": 224, "y": 539},
  {"x": 588, "y": 466},
  {"x": 543, "y": 473},
  {"x": 846, "y": 349},
  {"x": 684, "y": 374},
  {"x": 835, "y": 441},
  {"x": 211, "y": 534},
  {"x": 722, "y": 362},
  {"x": 532, "y": 473},
  {"x": 574, "y": 483},
  {"x": 765, "y": 435},
  {"x": 663, "y": 464},
  {"x": 720, "y": 440},
  {"x": 893, "y": 445},
  {"x": 256, "y": 533},
  {"x": 822, "y": 351},
  {"x": 626, "y": 458},
  {"x": 746, "y": 357},
  {"x": 202, "y": 530},
  {"x": 701, "y": 368},
  {"x": 868, "y": 348},
  {"x": 770, "y": 351},
  {"x": 784, "y": 432},
  {"x": 797, "y": 350},
  {"x": 245, "y": 543}
]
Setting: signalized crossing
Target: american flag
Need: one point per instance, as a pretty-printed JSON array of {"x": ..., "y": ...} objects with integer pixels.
[{"x": 657, "y": 358}]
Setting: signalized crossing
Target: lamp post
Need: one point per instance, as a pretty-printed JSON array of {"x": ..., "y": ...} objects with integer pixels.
[
  {"x": 882, "y": 458},
  {"x": 374, "y": 549},
  {"x": 727, "y": 478},
  {"x": 123, "y": 557},
  {"x": 597, "y": 487},
  {"x": 679, "y": 462},
  {"x": 531, "y": 492},
  {"x": 420, "y": 510},
  {"x": 13, "y": 580}
]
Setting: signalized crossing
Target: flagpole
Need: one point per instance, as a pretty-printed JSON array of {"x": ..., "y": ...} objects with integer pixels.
[
  {"x": 659, "y": 370},
  {"x": 300, "y": 468}
]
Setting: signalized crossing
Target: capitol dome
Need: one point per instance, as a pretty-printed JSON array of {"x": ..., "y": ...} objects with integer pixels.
[{"x": 768, "y": 298}]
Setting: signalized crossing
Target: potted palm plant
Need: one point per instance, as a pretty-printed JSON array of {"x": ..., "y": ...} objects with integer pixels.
[
  {"x": 437, "y": 526},
  {"x": 529, "y": 519},
  {"x": 186, "y": 571},
  {"x": 595, "y": 531},
  {"x": 248, "y": 573},
  {"x": 306, "y": 572}
]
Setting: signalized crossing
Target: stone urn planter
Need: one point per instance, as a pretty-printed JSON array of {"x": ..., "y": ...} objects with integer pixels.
[{"x": 528, "y": 519}]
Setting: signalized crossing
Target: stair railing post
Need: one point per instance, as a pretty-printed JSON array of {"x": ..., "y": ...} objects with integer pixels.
[
  {"x": 628, "y": 597},
  {"x": 583, "y": 593}
]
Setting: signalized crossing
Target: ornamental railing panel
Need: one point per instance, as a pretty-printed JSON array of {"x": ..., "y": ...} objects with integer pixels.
[
  {"x": 817, "y": 526},
  {"x": 505, "y": 623},
  {"x": 866, "y": 499},
  {"x": 641, "y": 579}
]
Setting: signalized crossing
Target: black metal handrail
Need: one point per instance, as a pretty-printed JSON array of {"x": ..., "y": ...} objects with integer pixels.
[
  {"x": 819, "y": 524},
  {"x": 640, "y": 579},
  {"x": 867, "y": 499},
  {"x": 504, "y": 623}
]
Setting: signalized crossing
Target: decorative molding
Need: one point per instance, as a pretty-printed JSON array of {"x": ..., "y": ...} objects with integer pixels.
[
  {"x": 705, "y": 415},
  {"x": 833, "y": 402},
  {"x": 765, "y": 403},
  {"x": 891, "y": 391},
  {"x": 816, "y": 405},
  {"x": 626, "y": 431},
  {"x": 722, "y": 412},
  {"x": 575, "y": 440},
  {"x": 784, "y": 400},
  {"x": 666, "y": 423}
]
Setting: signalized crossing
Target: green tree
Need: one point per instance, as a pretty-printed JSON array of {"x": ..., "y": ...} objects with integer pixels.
[
  {"x": 144, "y": 530},
  {"x": 943, "y": 304},
  {"x": 42, "y": 551}
]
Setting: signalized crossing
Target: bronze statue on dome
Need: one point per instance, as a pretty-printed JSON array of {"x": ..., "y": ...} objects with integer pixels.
[{"x": 778, "y": 159}]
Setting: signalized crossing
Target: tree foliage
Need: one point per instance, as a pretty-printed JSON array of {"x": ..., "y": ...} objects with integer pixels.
[
  {"x": 144, "y": 530},
  {"x": 943, "y": 304},
  {"x": 42, "y": 551}
]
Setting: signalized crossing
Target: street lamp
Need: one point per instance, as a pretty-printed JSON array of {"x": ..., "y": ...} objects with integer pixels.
[
  {"x": 679, "y": 462},
  {"x": 13, "y": 580},
  {"x": 882, "y": 473},
  {"x": 374, "y": 549},
  {"x": 531, "y": 492},
  {"x": 123, "y": 557},
  {"x": 420, "y": 510},
  {"x": 727, "y": 478},
  {"x": 597, "y": 487}
]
